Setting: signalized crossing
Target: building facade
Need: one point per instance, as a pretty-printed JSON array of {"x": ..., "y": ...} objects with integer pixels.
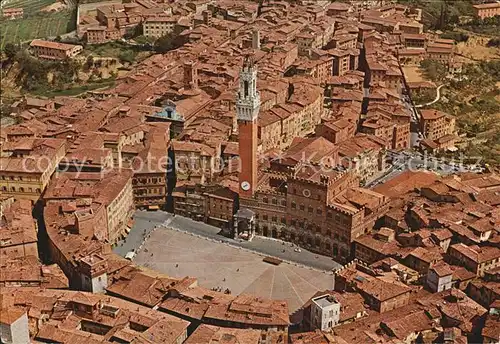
[
  {"x": 325, "y": 312},
  {"x": 159, "y": 26},
  {"x": 53, "y": 50},
  {"x": 13, "y": 13},
  {"x": 487, "y": 10},
  {"x": 18, "y": 231},
  {"x": 439, "y": 277},
  {"x": 26, "y": 177},
  {"x": 435, "y": 124},
  {"x": 14, "y": 327},
  {"x": 119, "y": 209}
]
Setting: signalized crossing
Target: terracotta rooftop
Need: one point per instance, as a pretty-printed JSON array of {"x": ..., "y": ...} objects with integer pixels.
[
  {"x": 51, "y": 45},
  {"x": 476, "y": 254},
  {"x": 107, "y": 311},
  {"x": 208, "y": 334},
  {"x": 487, "y": 5},
  {"x": 442, "y": 269},
  {"x": 314, "y": 337},
  {"x": 10, "y": 315}
]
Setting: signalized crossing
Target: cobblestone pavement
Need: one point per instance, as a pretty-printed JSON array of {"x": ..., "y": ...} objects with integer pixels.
[
  {"x": 224, "y": 265},
  {"x": 145, "y": 221}
]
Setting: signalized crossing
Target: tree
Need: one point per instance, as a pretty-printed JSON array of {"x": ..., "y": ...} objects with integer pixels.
[
  {"x": 164, "y": 43},
  {"x": 494, "y": 42},
  {"x": 137, "y": 31},
  {"x": 168, "y": 42},
  {"x": 127, "y": 56},
  {"x": 34, "y": 69},
  {"x": 90, "y": 62},
  {"x": 434, "y": 70},
  {"x": 456, "y": 36},
  {"x": 11, "y": 50}
]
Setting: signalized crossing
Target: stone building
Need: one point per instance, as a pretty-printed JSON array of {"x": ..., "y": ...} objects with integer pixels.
[
  {"x": 435, "y": 124},
  {"x": 439, "y": 277},
  {"x": 18, "y": 231},
  {"x": 109, "y": 198},
  {"x": 14, "y": 327},
  {"x": 49, "y": 50},
  {"x": 487, "y": 10},
  {"x": 325, "y": 312},
  {"x": 473, "y": 258},
  {"x": 159, "y": 26},
  {"x": 13, "y": 13},
  {"x": 27, "y": 166}
]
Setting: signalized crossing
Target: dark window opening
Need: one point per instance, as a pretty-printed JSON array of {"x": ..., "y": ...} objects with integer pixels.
[{"x": 246, "y": 88}]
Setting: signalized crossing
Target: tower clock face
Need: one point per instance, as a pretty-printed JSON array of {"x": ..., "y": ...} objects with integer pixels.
[{"x": 245, "y": 185}]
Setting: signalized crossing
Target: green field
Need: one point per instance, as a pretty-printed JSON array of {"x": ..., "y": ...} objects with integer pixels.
[
  {"x": 22, "y": 30},
  {"x": 35, "y": 24},
  {"x": 30, "y": 7},
  {"x": 74, "y": 91}
]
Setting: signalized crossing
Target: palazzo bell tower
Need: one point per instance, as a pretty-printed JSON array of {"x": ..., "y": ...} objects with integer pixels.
[{"x": 247, "y": 111}]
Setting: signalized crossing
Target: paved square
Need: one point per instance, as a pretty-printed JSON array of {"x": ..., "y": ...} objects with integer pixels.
[{"x": 215, "y": 264}]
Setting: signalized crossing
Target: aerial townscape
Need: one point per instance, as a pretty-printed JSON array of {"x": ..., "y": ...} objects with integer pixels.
[{"x": 250, "y": 171}]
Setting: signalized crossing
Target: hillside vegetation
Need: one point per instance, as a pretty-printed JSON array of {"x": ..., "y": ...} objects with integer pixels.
[{"x": 447, "y": 14}]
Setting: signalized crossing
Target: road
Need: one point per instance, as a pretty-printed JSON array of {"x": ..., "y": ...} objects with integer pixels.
[
  {"x": 438, "y": 96},
  {"x": 415, "y": 135},
  {"x": 145, "y": 222}
]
